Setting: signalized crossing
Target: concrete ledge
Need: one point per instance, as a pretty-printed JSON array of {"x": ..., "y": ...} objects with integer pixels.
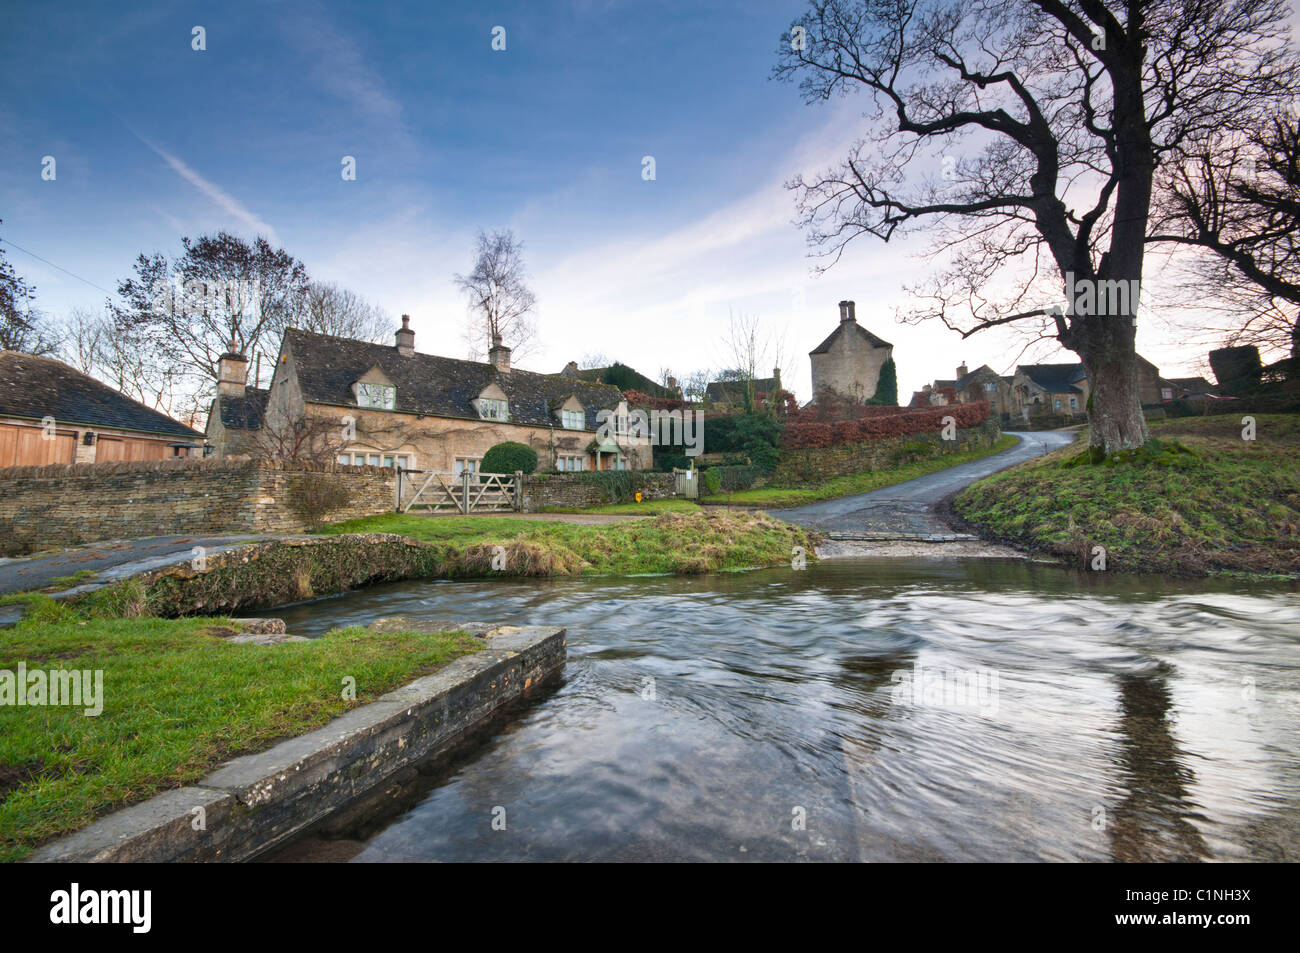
[{"x": 254, "y": 803}]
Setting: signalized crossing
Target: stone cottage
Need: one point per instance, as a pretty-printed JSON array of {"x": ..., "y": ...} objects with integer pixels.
[
  {"x": 376, "y": 404},
  {"x": 846, "y": 366}
]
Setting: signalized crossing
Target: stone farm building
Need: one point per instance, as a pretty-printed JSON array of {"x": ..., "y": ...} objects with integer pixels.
[
  {"x": 417, "y": 411},
  {"x": 52, "y": 413},
  {"x": 846, "y": 366}
]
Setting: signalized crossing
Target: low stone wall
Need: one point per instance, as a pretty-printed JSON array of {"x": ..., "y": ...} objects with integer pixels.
[
  {"x": 255, "y": 803},
  {"x": 579, "y": 490},
  {"x": 82, "y": 503},
  {"x": 824, "y": 463}
]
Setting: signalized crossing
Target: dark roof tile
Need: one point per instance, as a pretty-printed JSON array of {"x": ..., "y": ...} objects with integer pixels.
[
  {"x": 37, "y": 387},
  {"x": 436, "y": 386}
]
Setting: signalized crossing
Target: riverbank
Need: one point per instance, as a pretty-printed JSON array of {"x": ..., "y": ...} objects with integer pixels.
[
  {"x": 1226, "y": 506},
  {"x": 781, "y": 497},
  {"x": 670, "y": 542},
  {"x": 177, "y": 698}
]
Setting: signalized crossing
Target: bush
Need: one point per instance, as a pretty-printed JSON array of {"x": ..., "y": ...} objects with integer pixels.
[
  {"x": 313, "y": 496},
  {"x": 799, "y": 436},
  {"x": 711, "y": 480},
  {"x": 508, "y": 457}
]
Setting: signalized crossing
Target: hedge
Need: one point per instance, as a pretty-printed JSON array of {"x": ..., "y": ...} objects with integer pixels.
[{"x": 798, "y": 436}]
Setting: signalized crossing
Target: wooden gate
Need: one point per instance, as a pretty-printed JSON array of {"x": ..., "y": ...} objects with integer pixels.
[
  {"x": 22, "y": 446},
  {"x": 128, "y": 449},
  {"x": 688, "y": 483},
  {"x": 438, "y": 491}
]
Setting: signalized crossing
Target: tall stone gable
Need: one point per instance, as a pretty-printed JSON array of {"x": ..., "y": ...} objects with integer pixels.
[{"x": 846, "y": 366}]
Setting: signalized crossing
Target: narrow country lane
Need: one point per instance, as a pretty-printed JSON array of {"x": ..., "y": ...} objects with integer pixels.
[{"x": 909, "y": 509}]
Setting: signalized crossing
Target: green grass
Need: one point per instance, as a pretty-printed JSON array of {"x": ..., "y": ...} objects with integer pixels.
[
  {"x": 1204, "y": 502},
  {"x": 672, "y": 542},
  {"x": 178, "y": 701},
  {"x": 780, "y": 497}
]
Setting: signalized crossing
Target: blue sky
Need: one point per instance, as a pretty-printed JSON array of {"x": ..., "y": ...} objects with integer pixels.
[{"x": 154, "y": 140}]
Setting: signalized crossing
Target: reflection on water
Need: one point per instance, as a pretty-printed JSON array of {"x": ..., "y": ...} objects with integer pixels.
[{"x": 821, "y": 715}]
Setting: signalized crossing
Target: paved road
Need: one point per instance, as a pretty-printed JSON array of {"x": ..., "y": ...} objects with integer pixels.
[
  {"x": 108, "y": 560},
  {"x": 908, "y": 509}
]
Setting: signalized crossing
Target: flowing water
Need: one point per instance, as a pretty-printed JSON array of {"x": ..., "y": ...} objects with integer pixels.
[{"x": 871, "y": 709}]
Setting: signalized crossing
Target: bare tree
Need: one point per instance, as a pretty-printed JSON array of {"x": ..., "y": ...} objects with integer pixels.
[
  {"x": 594, "y": 359},
  {"x": 695, "y": 383},
  {"x": 500, "y": 302},
  {"x": 1027, "y": 133},
  {"x": 21, "y": 324},
  {"x": 223, "y": 292},
  {"x": 330, "y": 309},
  {"x": 1234, "y": 199}
]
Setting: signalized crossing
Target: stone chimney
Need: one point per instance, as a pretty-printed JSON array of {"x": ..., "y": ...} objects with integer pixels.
[
  {"x": 499, "y": 355},
  {"x": 961, "y": 370},
  {"x": 405, "y": 337},
  {"x": 232, "y": 373},
  {"x": 776, "y": 374},
  {"x": 846, "y": 312},
  {"x": 671, "y": 383},
  {"x": 570, "y": 369}
]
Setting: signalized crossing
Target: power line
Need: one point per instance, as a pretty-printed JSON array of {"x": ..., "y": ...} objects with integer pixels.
[{"x": 53, "y": 265}]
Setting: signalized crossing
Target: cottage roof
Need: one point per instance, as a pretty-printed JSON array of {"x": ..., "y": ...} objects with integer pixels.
[
  {"x": 849, "y": 327},
  {"x": 327, "y": 367},
  {"x": 1055, "y": 378},
  {"x": 243, "y": 413},
  {"x": 39, "y": 387},
  {"x": 735, "y": 390}
]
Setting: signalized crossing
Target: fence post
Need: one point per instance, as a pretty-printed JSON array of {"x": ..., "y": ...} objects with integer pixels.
[
  {"x": 397, "y": 493},
  {"x": 464, "y": 491},
  {"x": 519, "y": 491}
]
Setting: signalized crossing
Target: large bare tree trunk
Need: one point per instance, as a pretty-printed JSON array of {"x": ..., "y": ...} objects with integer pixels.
[{"x": 1115, "y": 417}]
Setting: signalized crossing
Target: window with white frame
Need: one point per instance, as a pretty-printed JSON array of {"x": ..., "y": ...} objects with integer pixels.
[
  {"x": 489, "y": 408},
  {"x": 621, "y": 463},
  {"x": 1166, "y": 393},
  {"x": 378, "y": 396},
  {"x": 573, "y": 419},
  {"x": 467, "y": 464},
  {"x": 571, "y": 463},
  {"x": 366, "y": 458}
]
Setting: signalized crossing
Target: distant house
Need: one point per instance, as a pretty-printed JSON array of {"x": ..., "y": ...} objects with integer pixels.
[
  {"x": 389, "y": 405},
  {"x": 1182, "y": 388},
  {"x": 620, "y": 376},
  {"x": 730, "y": 394},
  {"x": 53, "y": 413},
  {"x": 846, "y": 366},
  {"x": 1051, "y": 389}
]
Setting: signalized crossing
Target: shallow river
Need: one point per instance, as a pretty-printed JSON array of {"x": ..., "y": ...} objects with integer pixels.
[{"x": 871, "y": 710}]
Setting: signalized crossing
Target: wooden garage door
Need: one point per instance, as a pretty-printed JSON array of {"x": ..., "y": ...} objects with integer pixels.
[
  {"x": 27, "y": 447},
  {"x": 129, "y": 449}
]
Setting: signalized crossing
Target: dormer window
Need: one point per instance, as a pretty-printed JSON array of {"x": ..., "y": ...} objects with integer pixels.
[
  {"x": 491, "y": 409},
  {"x": 378, "y": 396},
  {"x": 573, "y": 419}
]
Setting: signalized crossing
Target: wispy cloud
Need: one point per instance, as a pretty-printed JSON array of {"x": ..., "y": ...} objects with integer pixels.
[
  {"x": 227, "y": 202},
  {"x": 339, "y": 68}
]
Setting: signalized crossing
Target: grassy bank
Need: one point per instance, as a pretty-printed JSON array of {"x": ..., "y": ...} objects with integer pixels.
[
  {"x": 775, "y": 497},
  {"x": 672, "y": 542},
  {"x": 1228, "y": 505},
  {"x": 178, "y": 700}
]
